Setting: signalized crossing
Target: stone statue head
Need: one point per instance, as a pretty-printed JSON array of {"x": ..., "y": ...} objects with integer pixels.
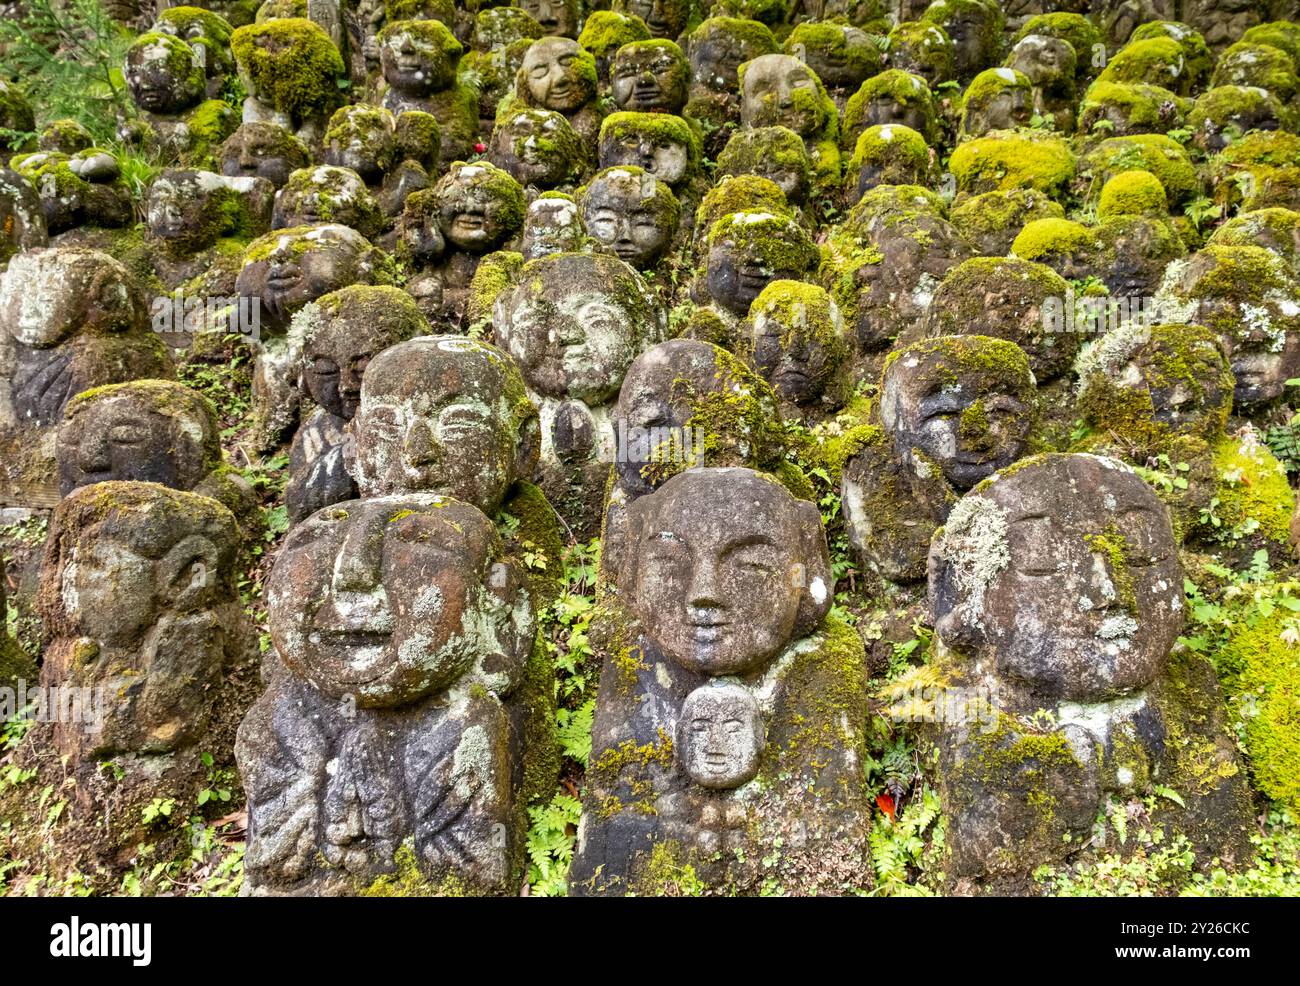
[
  {"x": 164, "y": 74},
  {"x": 557, "y": 75},
  {"x": 558, "y": 18},
  {"x": 725, "y": 568},
  {"x": 780, "y": 90},
  {"x": 749, "y": 250},
  {"x": 50, "y": 294},
  {"x": 190, "y": 210},
  {"x": 327, "y": 194},
  {"x": 552, "y": 224},
  {"x": 149, "y": 431},
  {"x": 659, "y": 143},
  {"x": 796, "y": 339},
  {"x": 476, "y": 207},
  {"x": 632, "y": 213},
  {"x": 665, "y": 18},
  {"x": 965, "y": 403},
  {"x": 841, "y": 55},
  {"x": 775, "y": 153},
  {"x": 997, "y": 99},
  {"x": 263, "y": 150},
  {"x": 344, "y": 331},
  {"x": 720, "y": 45},
  {"x": 574, "y": 322},
  {"x": 391, "y": 599},
  {"x": 720, "y": 735},
  {"x": 650, "y": 77},
  {"x": 537, "y": 147},
  {"x": 448, "y": 415},
  {"x": 418, "y": 57},
  {"x": 363, "y": 138},
  {"x": 1062, "y": 572}
]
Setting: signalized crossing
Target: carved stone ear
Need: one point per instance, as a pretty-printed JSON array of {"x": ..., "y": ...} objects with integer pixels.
[
  {"x": 952, "y": 623},
  {"x": 189, "y": 572},
  {"x": 818, "y": 583}
]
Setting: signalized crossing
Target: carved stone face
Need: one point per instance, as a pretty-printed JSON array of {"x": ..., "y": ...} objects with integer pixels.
[
  {"x": 536, "y": 147},
  {"x": 797, "y": 339},
  {"x": 1065, "y": 573},
  {"x": 263, "y": 150},
  {"x": 361, "y": 138},
  {"x": 969, "y": 28},
  {"x": 552, "y": 225},
  {"x": 444, "y": 414},
  {"x": 780, "y": 90},
  {"x": 726, "y": 568},
  {"x": 479, "y": 207},
  {"x": 842, "y": 59},
  {"x": 415, "y": 60},
  {"x": 720, "y": 735},
  {"x": 716, "y": 54},
  {"x": 150, "y": 431},
  {"x": 632, "y": 213},
  {"x": 650, "y": 76},
  {"x": 1047, "y": 62},
  {"x": 557, "y": 17},
  {"x": 749, "y": 250},
  {"x": 145, "y": 573},
  {"x": 326, "y": 194},
  {"x": 290, "y": 267},
  {"x": 557, "y": 75},
  {"x": 665, "y": 18},
  {"x": 163, "y": 74},
  {"x": 575, "y": 322},
  {"x": 48, "y": 295},
  {"x": 191, "y": 210},
  {"x": 964, "y": 402},
  {"x": 654, "y": 142},
  {"x": 1004, "y": 102},
  {"x": 775, "y": 153},
  {"x": 391, "y": 599}
]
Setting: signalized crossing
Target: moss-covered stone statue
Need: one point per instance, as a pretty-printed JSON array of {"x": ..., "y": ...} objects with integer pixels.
[
  {"x": 22, "y": 220},
  {"x": 779, "y": 90},
  {"x": 208, "y": 34},
  {"x": 290, "y": 69},
  {"x": 328, "y": 194},
  {"x": 726, "y": 725},
  {"x": 539, "y": 149},
  {"x": 82, "y": 193},
  {"x": 1057, "y": 595},
  {"x": 556, "y": 74},
  {"x": 650, "y": 77},
  {"x": 263, "y": 150},
  {"x": 419, "y": 60},
  {"x": 632, "y": 214},
  {"x": 716, "y": 50},
  {"x": 775, "y": 153},
  {"x": 395, "y": 154}
]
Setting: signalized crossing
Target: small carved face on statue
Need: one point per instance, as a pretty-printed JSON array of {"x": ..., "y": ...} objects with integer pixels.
[
  {"x": 650, "y": 77},
  {"x": 779, "y": 90},
  {"x": 1065, "y": 574},
  {"x": 391, "y": 599},
  {"x": 973, "y": 28},
  {"x": 147, "y": 574},
  {"x": 842, "y": 57},
  {"x": 207, "y": 33},
  {"x": 263, "y": 150},
  {"x": 665, "y": 18},
  {"x": 189, "y": 211},
  {"x": 719, "y": 46},
  {"x": 965, "y": 403},
  {"x": 444, "y": 414},
  {"x": 574, "y": 322},
  {"x": 289, "y": 267},
  {"x": 326, "y": 194},
  {"x": 552, "y": 224},
  {"x": 998, "y": 99},
  {"x": 775, "y": 153},
  {"x": 150, "y": 431},
  {"x": 362, "y": 138},
  {"x": 346, "y": 329},
  {"x": 1049, "y": 63},
  {"x": 661, "y": 144},
  {"x": 418, "y": 58},
  {"x": 559, "y": 18},
  {"x": 796, "y": 339},
  {"x": 720, "y": 735},
  {"x": 632, "y": 213},
  {"x": 479, "y": 207},
  {"x": 50, "y": 294},
  {"x": 726, "y": 568},
  {"x": 749, "y": 250},
  {"x": 558, "y": 75},
  {"x": 537, "y": 147},
  {"x": 163, "y": 74}
]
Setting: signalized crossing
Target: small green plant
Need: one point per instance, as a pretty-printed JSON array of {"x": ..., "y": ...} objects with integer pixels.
[
  {"x": 552, "y": 831},
  {"x": 158, "y": 810},
  {"x": 220, "y": 782}
]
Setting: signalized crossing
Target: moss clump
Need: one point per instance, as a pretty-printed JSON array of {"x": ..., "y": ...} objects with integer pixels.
[
  {"x": 778, "y": 243},
  {"x": 770, "y": 152},
  {"x": 1133, "y": 193},
  {"x": 1253, "y": 492},
  {"x": 1276, "y": 230},
  {"x": 769, "y": 13},
  {"x": 1284, "y": 35},
  {"x": 1198, "y": 59},
  {"x": 925, "y": 47},
  {"x": 1272, "y": 161},
  {"x": 606, "y": 31},
  {"x": 1165, "y": 158},
  {"x": 1260, "y": 65},
  {"x": 497, "y": 272},
  {"x": 1007, "y": 159},
  {"x": 1155, "y": 61},
  {"x": 740, "y": 193},
  {"x": 420, "y": 10},
  {"x": 989, "y": 83},
  {"x": 946, "y": 12},
  {"x": 1141, "y": 108},
  {"x": 908, "y": 92},
  {"x": 897, "y": 154},
  {"x": 291, "y": 63},
  {"x": 860, "y": 59},
  {"x": 408, "y": 880},
  {"x": 1112, "y": 545},
  {"x": 1050, "y": 238},
  {"x": 1074, "y": 29},
  {"x": 667, "y": 873},
  {"x": 990, "y": 220},
  {"x": 182, "y": 20},
  {"x": 1224, "y": 113}
]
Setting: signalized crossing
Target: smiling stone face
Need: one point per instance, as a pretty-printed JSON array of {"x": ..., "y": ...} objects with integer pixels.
[
  {"x": 558, "y": 18},
  {"x": 290, "y": 267},
  {"x": 263, "y": 150},
  {"x": 150, "y": 431},
  {"x": 725, "y": 568},
  {"x": 964, "y": 402},
  {"x": 1065, "y": 573},
  {"x": 418, "y": 57},
  {"x": 163, "y": 74},
  {"x": 479, "y": 207},
  {"x": 781, "y": 91},
  {"x": 650, "y": 77},
  {"x": 444, "y": 414},
  {"x": 574, "y": 322},
  {"x": 720, "y": 735},
  {"x": 658, "y": 143},
  {"x": 558, "y": 75},
  {"x": 389, "y": 599},
  {"x": 632, "y": 213}
]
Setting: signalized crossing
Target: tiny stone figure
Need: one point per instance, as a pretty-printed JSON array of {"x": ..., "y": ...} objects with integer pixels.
[
  {"x": 401, "y": 737},
  {"x": 208, "y": 34},
  {"x": 167, "y": 80},
  {"x": 141, "y": 610},
  {"x": 796, "y": 339},
  {"x": 502, "y": 36},
  {"x": 263, "y": 150},
  {"x": 574, "y": 323},
  {"x": 538, "y": 149},
  {"x": 775, "y": 153},
  {"x": 342, "y": 332},
  {"x": 1056, "y": 593},
  {"x": 952, "y": 411},
  {"x": 1050, "y": 65},
  {"x": 650, "y": 77},
  {"x": 975, "y": 28},
  {"x": 80, "y": 192},
  {"x": 632, "y": 214},
  {"x": 778, "y": 90},
  {"x": 558, "y": 75},
  {"x": 473, "y": 210},
  {"x": 707, "y": 740},
  {"x": 394, "y": 155},
  {"x": 559, "y": 18},
  {"x": 553, "y": 224},
  {"x": 327, "y": 194},
  {"x": 665, "y": 18},
  {"x": 22, "y": 220},
  {"x": 290, "y": 69},
  {"x": 893, "y": 96},
  {"x": 842, "y": 56},
  {"x": 716, "y": 50},
  {"x": 419, "y": 60},
  {"x": 924, "y": 50},
  {"x": 70, "y": 319},
  {"x": 200, "y": 222}
]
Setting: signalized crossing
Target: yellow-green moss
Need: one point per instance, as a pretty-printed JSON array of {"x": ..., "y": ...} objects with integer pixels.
[
  {"x": 1007, "y": 159},
  {"x": 298, "y": 72},
  {"x": 1253, "y": 486},
  {"x": 1052, "y": 238},
  {"x": 1133, "y": 193}
]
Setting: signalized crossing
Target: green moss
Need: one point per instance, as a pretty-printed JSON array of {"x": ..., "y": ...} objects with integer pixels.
[
  {"x": 1198, "y": 59},
  {"x": 1247, "y": 64},
  {"x": 407, "y": 880},
  {"x": 990, "y": 82},
  {"x": 943, "y": 12},
  {"x": 765, "y": 150},
  {"x": 908, "y": 91},
  {"x": 900, "y": 151},
  {"x": 778, "y": 243},
  {"x": 213, "y": 27},
  {"x": 1253, "y": 487},
  {"x": 1277, "y": 230},
  {"x": 1075, "y": 29},
  {"x": 606, "y": 31},
  {"x": 1006, "y": 160},
  {"x": 1143, "y": 107},
  {"x": 1284, "y": 35},
  {"x": 1155, "y": 61},
  {"x": 927, "y": 46},
  {"x": 443, "y": 11},
  {"x": 496, "y": 272},
  {"x": 1133, "y": 193},
  {"x": 296, "y": 70},
  {"x": 1165, "y": 158},
  {"x": 667, "y": 873},
  {"x": 994, "y": 213},
  {"x": 1114, "y": 546},
  {"x": 662, "y": 128},
  {"x": 212, "y": 122},
  {"x": 1047, "y": 238},
  {"x": 741, "y": 193},
  {"x": 1231, "y": 110},
  {"x": 629, "y": 766},
  {"x": 861, "y": 59}
]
